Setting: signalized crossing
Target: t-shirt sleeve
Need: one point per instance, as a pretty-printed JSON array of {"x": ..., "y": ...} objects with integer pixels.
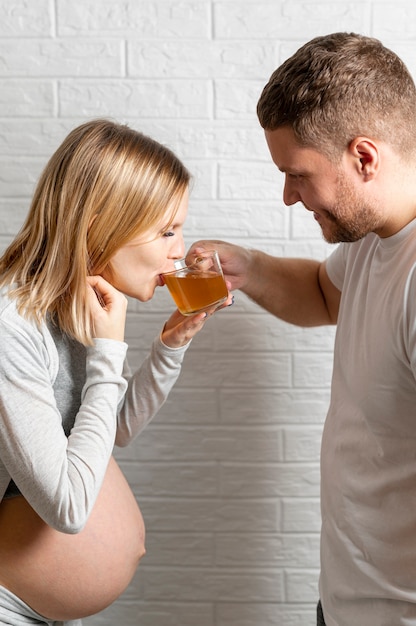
[
  {"x": 409, "y": 319},
  {"x": 336, "y": 264}
]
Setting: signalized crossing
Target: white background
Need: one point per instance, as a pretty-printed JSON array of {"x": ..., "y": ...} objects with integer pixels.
[{"x": 227, "y": 475}]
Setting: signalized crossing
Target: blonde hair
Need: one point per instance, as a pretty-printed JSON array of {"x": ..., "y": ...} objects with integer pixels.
[
  {"x": 104, "y": 185},
  {"x": 340, "y": 86}
]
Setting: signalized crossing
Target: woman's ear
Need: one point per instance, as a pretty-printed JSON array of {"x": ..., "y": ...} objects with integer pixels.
[{"x": 366, "y": 157}]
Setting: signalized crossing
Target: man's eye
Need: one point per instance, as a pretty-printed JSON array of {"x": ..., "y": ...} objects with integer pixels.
[{"x": 168, "y": 233}]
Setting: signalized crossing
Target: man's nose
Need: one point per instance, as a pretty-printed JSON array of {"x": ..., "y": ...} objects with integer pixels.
[{"x": 290, "y": 193}]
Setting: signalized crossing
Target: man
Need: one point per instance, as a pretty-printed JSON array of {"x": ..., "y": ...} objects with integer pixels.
[{"x": 340, "y": 122}]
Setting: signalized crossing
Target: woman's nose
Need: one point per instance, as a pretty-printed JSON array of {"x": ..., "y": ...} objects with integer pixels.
[{"x": 178, "y": 249}]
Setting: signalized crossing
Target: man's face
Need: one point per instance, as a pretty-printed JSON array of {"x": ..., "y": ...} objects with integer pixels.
[{"x": 328, "y": 189}]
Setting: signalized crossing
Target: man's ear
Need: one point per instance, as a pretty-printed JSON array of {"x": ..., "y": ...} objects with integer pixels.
[{"x": 366, "y": 157}]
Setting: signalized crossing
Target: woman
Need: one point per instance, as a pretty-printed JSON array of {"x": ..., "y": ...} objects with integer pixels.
[{"x": 105, "y": 221}]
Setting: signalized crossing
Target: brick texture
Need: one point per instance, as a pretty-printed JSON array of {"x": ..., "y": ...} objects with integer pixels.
[{"x": 227, "y": 475}]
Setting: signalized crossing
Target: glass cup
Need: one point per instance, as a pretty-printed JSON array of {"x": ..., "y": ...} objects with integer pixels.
[{"x": 199, "y": 285}]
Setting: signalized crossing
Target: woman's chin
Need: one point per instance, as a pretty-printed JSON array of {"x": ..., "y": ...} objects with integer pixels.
[{"x": 142, "y": 296}]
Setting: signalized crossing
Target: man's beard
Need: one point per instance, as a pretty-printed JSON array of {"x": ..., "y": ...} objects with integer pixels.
[{"x": 351, "y": 218}]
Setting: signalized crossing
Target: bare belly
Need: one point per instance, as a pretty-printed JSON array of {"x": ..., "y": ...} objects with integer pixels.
[{"x": 63, "y": 576}]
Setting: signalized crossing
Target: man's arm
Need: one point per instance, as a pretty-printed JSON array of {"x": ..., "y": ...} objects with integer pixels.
[{"x": 297, "y": 291}]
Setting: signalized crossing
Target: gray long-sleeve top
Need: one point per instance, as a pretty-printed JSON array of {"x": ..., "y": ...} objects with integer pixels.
[{"x": 59, "y": 473}]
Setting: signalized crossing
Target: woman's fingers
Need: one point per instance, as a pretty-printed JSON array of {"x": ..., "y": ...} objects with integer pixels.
[
  {"x": 179, "y": 330},
  {"x": 108, "y": 309}
]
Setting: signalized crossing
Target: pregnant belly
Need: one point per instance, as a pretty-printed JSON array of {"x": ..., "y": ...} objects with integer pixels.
[{"x": 63, "y": 576}]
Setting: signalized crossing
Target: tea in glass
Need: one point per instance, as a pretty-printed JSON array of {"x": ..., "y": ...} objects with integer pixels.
[{"x": 199, "y": 285}]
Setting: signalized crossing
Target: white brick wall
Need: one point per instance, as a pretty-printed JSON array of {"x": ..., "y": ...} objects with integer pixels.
[{"x": 227, "y": 476}]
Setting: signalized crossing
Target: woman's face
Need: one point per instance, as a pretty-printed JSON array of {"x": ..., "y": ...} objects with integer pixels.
[{"x": 136, "y": 267}]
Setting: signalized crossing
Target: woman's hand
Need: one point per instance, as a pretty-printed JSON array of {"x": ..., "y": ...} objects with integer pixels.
[
  {"x": 108, "y": 308},
  {"x": 180, "y": 329}
]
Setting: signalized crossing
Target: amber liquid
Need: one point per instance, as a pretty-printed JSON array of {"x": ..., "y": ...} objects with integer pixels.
[{"x": 196, "y": 292}]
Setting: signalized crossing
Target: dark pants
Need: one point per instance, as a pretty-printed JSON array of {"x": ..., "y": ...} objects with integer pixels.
[{"x": 319, "y": 615}]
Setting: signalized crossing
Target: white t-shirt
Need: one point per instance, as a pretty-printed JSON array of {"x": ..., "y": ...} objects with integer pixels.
[{"x": 368, "y": 461}]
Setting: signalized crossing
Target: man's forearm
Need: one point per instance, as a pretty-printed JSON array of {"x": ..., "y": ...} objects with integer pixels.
[{"x": 287, "y": 288}]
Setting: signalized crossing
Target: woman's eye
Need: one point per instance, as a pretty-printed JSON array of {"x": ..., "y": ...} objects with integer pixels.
[{"x": 168, "y": 233}]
